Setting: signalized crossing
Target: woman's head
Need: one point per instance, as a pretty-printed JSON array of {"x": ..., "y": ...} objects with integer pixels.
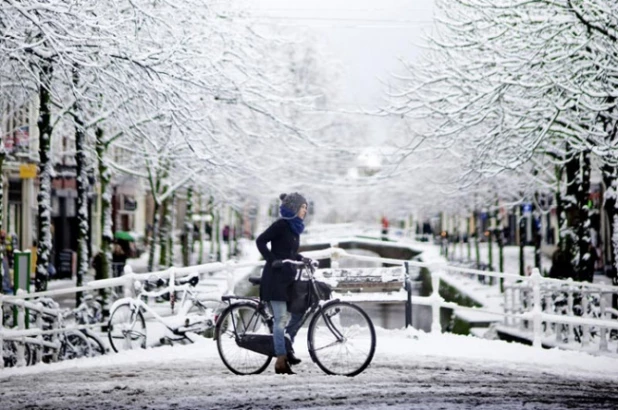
[{"x": 295, "y": 203}]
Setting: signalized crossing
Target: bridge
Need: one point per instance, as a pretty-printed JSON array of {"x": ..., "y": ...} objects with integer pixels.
[{"x": 412, "y": 369}]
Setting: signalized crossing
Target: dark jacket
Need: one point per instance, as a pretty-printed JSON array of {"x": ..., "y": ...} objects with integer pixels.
[{"x": 276, "y": 282}]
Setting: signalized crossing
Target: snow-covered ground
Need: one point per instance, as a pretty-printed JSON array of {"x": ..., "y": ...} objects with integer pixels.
[{"x": 410, "y": 370}]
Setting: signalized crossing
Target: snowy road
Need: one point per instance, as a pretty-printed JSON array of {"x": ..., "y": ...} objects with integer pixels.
[
  {"x": 410, "y": 371},
  {"x": 190, "y": 385}
]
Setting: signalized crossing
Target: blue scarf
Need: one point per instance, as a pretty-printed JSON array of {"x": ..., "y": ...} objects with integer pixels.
[{"x": 295, "y": 222}]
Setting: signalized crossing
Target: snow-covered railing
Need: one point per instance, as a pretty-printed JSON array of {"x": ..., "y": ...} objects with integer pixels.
[
  {"x": 596, "y": 325},
  {"x": 573, "y": 312},
  {"x": 34, "y": 334},
  {"x": 584, "y": 319},
  {"x": 439, "y": 271}
]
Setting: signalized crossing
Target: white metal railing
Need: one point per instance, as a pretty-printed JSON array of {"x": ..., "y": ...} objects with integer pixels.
[
  {"x": 439, "y": 271},
  {"x": 34, "y": 334}
]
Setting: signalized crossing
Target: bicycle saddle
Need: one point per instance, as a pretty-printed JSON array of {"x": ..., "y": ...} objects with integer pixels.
[
  {"x": 255, "y": 280},
  {"x": 191, "y": 280}
]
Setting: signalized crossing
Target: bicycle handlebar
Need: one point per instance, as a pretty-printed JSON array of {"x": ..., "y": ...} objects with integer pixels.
[{"x": 313, "y": 263}]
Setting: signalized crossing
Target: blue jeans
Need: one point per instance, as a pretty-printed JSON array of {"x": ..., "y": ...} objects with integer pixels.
[{"x": 280, "y": 313}]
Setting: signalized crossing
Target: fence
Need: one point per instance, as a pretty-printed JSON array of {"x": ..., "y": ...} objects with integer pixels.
[{"x": 523, "y": 307}]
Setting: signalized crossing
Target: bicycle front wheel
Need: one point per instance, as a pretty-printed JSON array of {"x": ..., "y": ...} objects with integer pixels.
[
  {"x": 96, "y": 345},
  {"x": 341, "y": 339},
  {"x": 127, "y": 328},
  {"x": 235, "y": 322}
]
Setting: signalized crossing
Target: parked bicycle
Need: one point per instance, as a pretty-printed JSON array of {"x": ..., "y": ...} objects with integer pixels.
[
  {"x": 89, "y": 312},
  {"x": 341, "y": 338},
  {"x": 127, "y": 326},
  {"x": 9, "y": 352},
  {"x": 73, "y": 344}
]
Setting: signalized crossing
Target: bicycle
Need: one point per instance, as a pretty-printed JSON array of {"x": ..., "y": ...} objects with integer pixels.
[
  {"x": 89, "y": 312},
  {"x": 73, "y": 344},
  {"x": 341, "y": 338},
  {"x": 127, "y": 327}
]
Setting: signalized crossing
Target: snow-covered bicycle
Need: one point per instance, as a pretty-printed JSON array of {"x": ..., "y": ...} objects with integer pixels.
[
  {"x": 341, "y": 338},
  {"x": 127, "y": 327}
]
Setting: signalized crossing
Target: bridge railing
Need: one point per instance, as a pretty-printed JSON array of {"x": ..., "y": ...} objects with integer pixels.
[
  {"x": 32, "y": 333},
  {"x": 585, "y": 319},
  {"x": 533, "y": 315}
]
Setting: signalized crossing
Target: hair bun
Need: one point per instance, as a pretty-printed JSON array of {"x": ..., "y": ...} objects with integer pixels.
[{"x": 282, "y": 196}]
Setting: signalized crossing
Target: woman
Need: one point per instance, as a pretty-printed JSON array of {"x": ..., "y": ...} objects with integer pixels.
[{"x": 278, "y": 277}]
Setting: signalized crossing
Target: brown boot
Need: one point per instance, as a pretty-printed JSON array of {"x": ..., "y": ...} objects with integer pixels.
[{"x": 282, "y": 366}]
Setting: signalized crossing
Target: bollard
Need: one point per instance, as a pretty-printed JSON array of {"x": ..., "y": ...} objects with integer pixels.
[
  {"x": 436, "y": 326},
  {"x": 603, "y": 329},
  {"x": 55, "y": 337},
  {"x": 20, "y": 348},
  {"x": 585, "y": 328},
  {"x": 129, "y": 286},
  {"x": 334, "y": 257},
  {"x": 408, "y": 287},
  {"x": 39, "y": 325},
  {"x": 535, "y": 279},
  {"x": 570, "y": 329},
  {"x": 172, "y": 288}
]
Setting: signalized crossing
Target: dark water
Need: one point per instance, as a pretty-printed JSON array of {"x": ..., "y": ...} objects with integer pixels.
[{"x": 393, "y": 316}]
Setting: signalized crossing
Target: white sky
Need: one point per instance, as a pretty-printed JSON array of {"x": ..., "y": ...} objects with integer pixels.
[{"x": 368, "y": 36}]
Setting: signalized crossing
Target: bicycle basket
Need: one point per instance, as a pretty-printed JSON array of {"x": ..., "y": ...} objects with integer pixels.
[{"x": 302, "y": 297}]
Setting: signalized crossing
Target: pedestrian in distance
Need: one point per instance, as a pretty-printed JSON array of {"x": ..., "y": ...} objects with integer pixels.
[
  {"x": 385, "y": 224},
  {"x": 278, "y": 278}
]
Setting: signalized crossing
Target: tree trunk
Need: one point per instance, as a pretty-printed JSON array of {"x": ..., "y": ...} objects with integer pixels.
[
  {"x": 163, "y": 233},
  {"x": 610, "y": 179},
  {"x": 152, "y": 241},
  {"x": 610, "y": 197},
  {"x": 2, "y": 157},
  {"x": 569, "y": 206},
  {"x": 172, "y": 226},
  {"x": 537, "y": 215},
  {"x": 44, "y": 124},
  {"x": 187, "y": 243},
  {"x": 200, "y": 256},
  {"x": 584, "y": 270},
  {"x": 217, "y": 234},
  {"x": 104, "y": 176},
  {"x": 82, "y": 193}
]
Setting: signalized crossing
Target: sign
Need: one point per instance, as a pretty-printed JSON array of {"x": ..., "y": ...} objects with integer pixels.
[
  {"x": 21, "y": 271},
  {"x": 527, "y": 208},
  {"x": 21, "y": 277},
  {"x": 129, "y": 204},
  {"x": 66, "y": 265},
  {"x": 22, "y": 135},
  {"x": 17, "y": 141},
  {"x": 27, "y": 171}
]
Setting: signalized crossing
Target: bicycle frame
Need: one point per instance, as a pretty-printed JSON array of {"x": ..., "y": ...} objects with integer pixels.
[
  {"x": 318, "y": 304},
  {"x": 314, "y": 309},
  {"x": 188, "y": 296}
]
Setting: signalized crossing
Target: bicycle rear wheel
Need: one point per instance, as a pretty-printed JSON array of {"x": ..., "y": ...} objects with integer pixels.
[
  {"x": 127, "y": 328},
  {"x": 341, "y": 339},
  {"x": 235, "y": 322},
  {"x": 9, "y": 353},
  {"x": 74, "y": 345}
]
